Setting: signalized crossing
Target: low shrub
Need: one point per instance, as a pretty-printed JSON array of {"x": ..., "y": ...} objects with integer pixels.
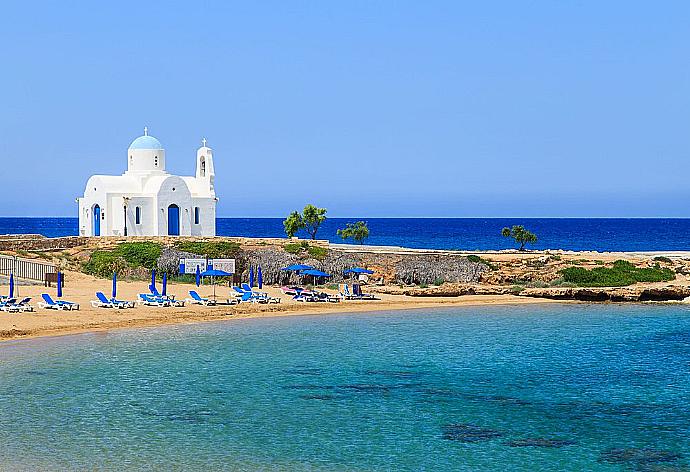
[
  {"x": 143, "y": 254},
  {"x": 622, "y": 273},
  {"x": 439, "y": 282},
  {"x": 665, "y": 259},
  {"x": 293, "y": 248},
  {"x": 104, "y": 263},
  {"x": 480, "y": 260},
  {"x": 515, "y": 289},
  {"x": 317, "y": 252}
]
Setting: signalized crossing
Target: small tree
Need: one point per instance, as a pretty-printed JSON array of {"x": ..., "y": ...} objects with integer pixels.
[
  {"x": 293, "y": 223},
  {"x": 520, "y": 235},
  {"x": 358, "y": 231},
  {"x": 312, "y": 217}
]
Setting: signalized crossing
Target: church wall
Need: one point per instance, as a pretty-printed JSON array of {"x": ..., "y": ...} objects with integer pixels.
[
  {"x": 149, "y": 217},
  {"x": 207, "y": 217},
  {"x": 174, "y": 190}
]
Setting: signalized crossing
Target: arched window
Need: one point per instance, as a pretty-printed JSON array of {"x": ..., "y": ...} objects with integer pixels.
[
  {"x": 202, "y": 172},
  {"x": 137, "y": 215},
  {"x": 196, "y": 215}
]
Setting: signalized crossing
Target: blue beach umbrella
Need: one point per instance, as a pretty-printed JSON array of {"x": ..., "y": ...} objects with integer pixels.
[
  {"x": 251, "y": 276},
  {"x": 358, "y": 270},
  {"x": 297, "y": 268},
  {"x": 213, "y": 274},
  {"x": 198, "y": 276},
  {"x": 59, "y": 284},
  {"x": 114, "y": 284},
  {"x": 11, "y": 285},
  {"x": 260, "y": 276},
  {"x": 165, "y": 284},
  {"x": 153, "y": 280},
  {"x": 315, "y": 273}
]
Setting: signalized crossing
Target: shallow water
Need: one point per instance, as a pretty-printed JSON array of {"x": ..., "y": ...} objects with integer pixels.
[{"x": 558, "y": 387}]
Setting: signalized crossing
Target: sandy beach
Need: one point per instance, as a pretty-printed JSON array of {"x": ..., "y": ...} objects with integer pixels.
[{"x": 81, "y": 288}]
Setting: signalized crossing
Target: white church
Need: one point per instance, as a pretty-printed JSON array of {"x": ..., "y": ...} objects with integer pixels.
[{"x": 148, "y": 201}]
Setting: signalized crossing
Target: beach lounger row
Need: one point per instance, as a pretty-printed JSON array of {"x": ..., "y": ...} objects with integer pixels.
[
  {"x": 245, "y": 294},
  {"x": 12, "y": 305}
]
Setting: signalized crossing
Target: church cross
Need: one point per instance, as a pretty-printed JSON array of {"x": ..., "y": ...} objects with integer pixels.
[
  {"x": 146, "y": 131},
  {"x": 204, "y": 141}
]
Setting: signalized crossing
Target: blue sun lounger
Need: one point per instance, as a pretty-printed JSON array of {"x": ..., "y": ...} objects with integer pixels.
[
  {"x": 197, "y": 299},
  {"x": 152, "y": 300},
  {"x": 51, "y": 304}
]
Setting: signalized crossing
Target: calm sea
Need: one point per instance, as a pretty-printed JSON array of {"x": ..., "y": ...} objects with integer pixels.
[
  {"x": 548, "y": 388},
  {"x": 446, "y": 233}
]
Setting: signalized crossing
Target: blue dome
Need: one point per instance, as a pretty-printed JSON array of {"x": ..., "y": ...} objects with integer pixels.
[{"x": 146, "y": 142}]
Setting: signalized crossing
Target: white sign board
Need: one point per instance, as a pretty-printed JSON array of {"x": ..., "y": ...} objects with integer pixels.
[
  {"x": 226, "y": 265},
  {"x": 190, "y": 265}
]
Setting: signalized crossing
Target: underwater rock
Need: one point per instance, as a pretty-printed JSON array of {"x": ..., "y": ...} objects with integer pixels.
[
  {"x": 317, "y": 397},
  {"x": 308, "y": 387},
  {"x": 397, "y": 374},
  {"x": 638, "y": 456},
  {"x": 370, "y": 388},
  {"x": 540, "y": 442},
  {"x": 304, "y": 371},
  {"x": 497, "y": 399},
  {"x": 469, "y": 433}
]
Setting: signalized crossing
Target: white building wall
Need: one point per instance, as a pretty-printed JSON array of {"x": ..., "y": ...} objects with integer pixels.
[
  {"x": 146, "y": 185},
  {"x": 173, "y": 190}
]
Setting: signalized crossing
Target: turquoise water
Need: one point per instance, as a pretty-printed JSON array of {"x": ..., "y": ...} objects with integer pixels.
[{"x": 606, "y": 387}]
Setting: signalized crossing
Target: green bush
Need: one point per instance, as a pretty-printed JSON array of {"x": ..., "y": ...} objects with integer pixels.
[
  {"x": 480, "y": 260},
  {"x": 210, "y": 249},
  {"x": 439, "y": 282},
  {"x": 296, "y": 248},
  {"x": 135, "y": 255},
  {"x": 663, "y": 259},
  {"x": 104, "y": 263},
  {"x": 622, "y": 273},
  {"x": 317, "y": 252},
  {"x": 143, "y": 254},
  {"x": 515, "y": 289}
]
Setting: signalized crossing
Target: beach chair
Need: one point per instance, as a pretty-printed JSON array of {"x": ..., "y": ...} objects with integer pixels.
[
  {"x": 169, "y": 298},
  {"x": 104, "y": 302},
  {"x": 344, "y": 292},
  {"x": 357, "y": 292},
  {"x": 124, "y": 303},
  {"x": 24, "y": 305},
  {"x": 196, "y": 299},
  {"x": 151, "y": 300},
  {"x": 51, "y": 304},
  {"x": 9, "y": 305}
]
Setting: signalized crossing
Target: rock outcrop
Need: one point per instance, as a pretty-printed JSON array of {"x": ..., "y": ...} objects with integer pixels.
[{"x": 635, "y": 293}]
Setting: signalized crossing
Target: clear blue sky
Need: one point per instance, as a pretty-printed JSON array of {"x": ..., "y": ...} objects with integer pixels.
[{"x": 369, "y": 108}]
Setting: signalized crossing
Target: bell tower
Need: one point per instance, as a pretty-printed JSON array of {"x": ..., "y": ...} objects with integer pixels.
[{"x": 204, "y": 165}]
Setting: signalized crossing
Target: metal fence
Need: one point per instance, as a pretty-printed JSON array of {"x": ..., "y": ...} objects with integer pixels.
[{"x": 25, "y": 269}]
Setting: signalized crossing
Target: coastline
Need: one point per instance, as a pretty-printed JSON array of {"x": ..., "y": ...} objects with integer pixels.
[{"x": 130, "y": 319}]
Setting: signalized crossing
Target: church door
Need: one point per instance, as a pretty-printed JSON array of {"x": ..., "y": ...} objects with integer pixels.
[
  {"x": 96, "y": 220},
  {"x": 173, "y": 220}
]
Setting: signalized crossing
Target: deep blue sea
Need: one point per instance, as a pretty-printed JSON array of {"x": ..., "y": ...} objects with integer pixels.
[
  {"x": 521, "y": 388},
  {"x": 605, "y": 234}
]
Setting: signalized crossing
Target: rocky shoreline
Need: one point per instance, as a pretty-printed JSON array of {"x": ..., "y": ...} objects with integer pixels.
[{"x": 636, "y": 293}]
